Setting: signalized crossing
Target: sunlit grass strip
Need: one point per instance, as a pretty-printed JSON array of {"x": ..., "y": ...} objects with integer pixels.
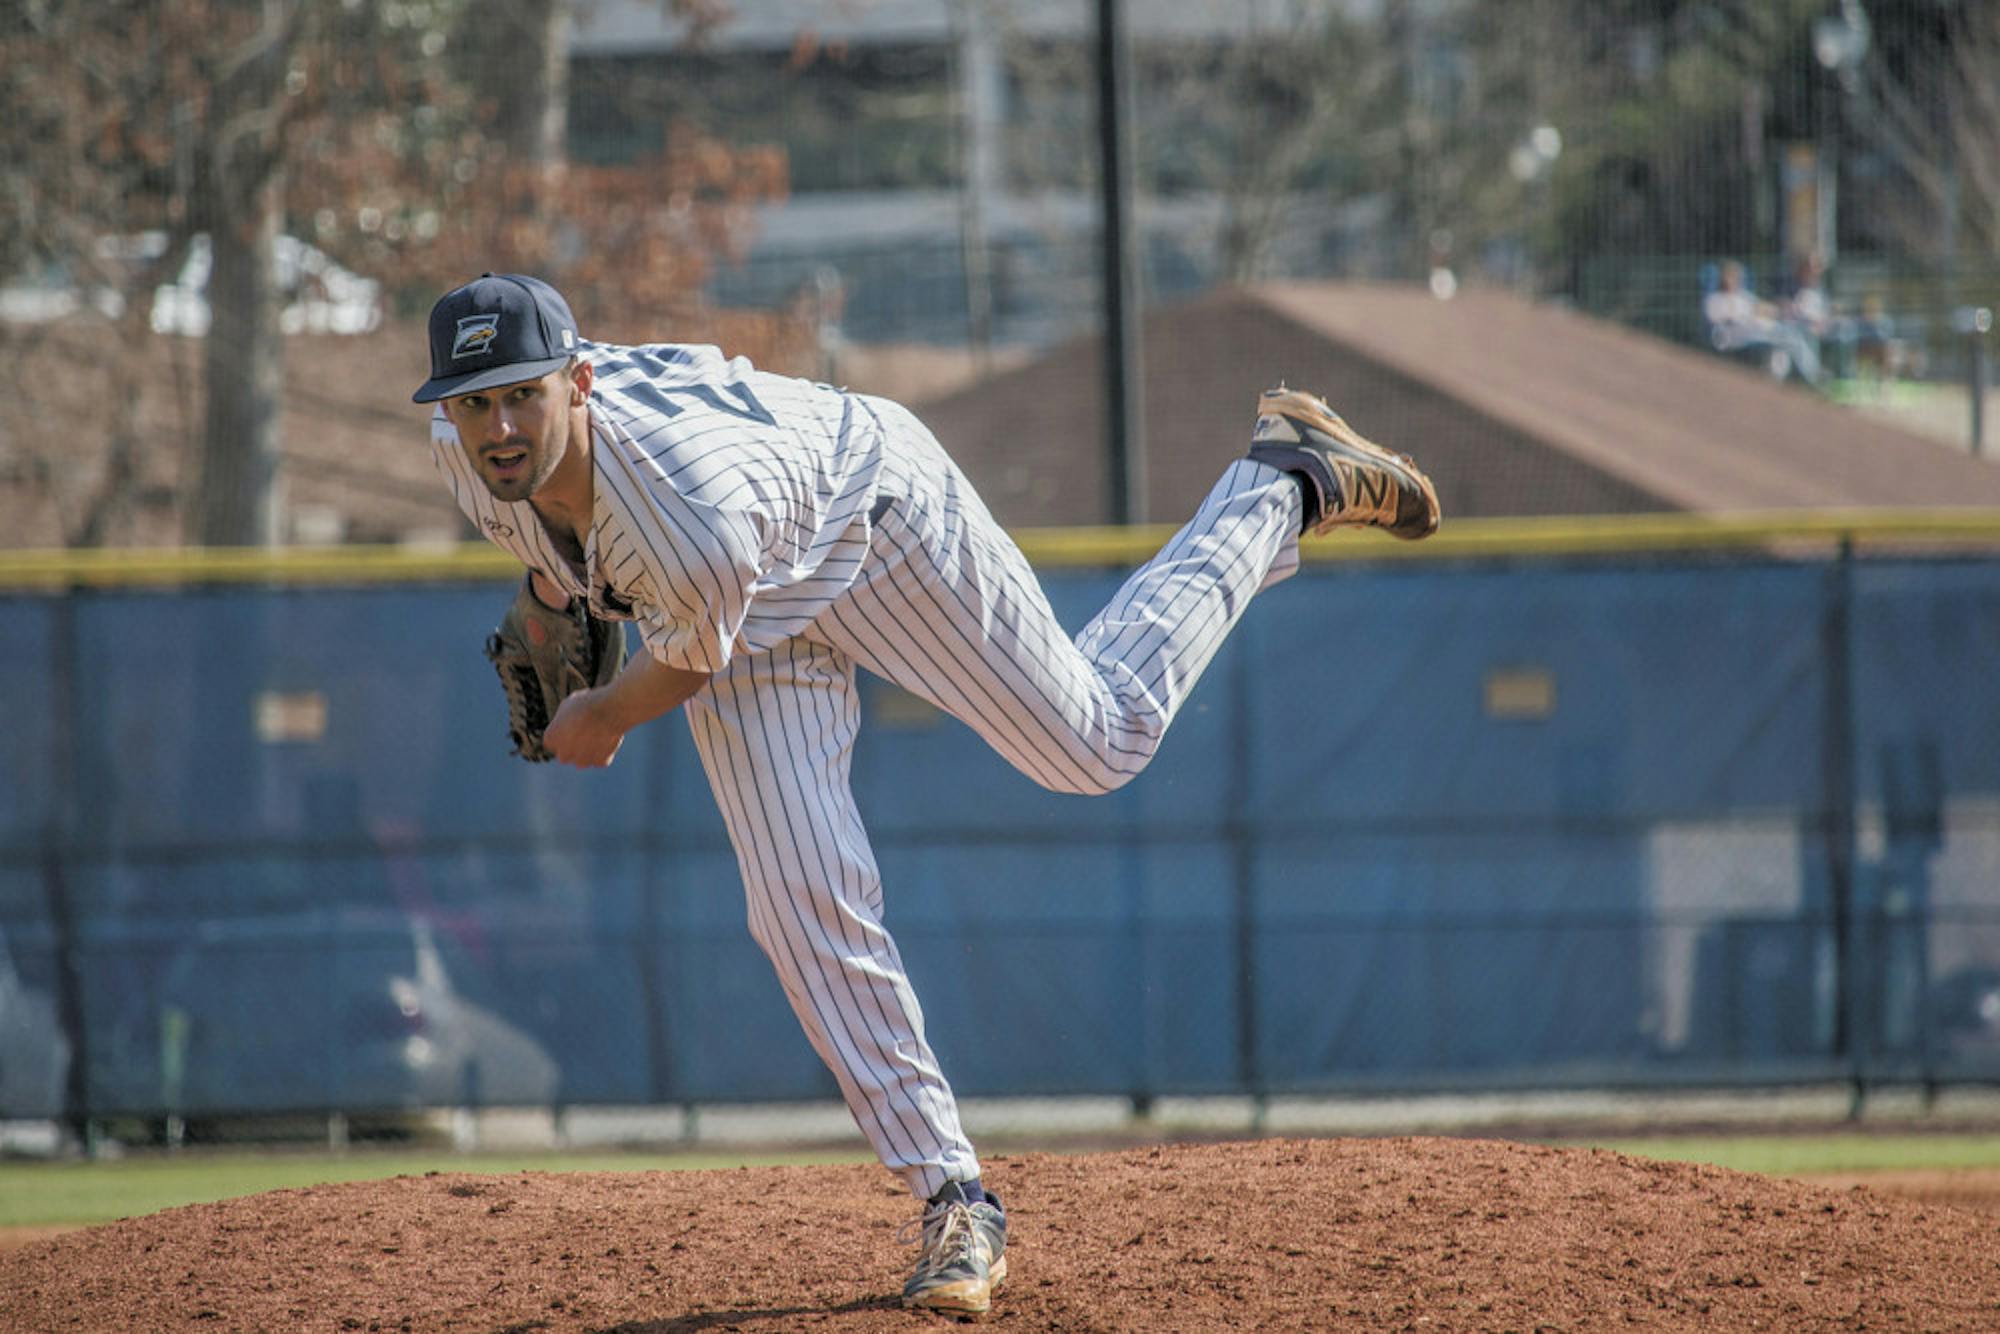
[
  {"x": 1810, "y": 1155},
  {"x": 1050, "y": 548}
]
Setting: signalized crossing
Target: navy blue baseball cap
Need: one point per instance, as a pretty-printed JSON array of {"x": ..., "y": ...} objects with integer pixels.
[{"x": 500, "y": 328}]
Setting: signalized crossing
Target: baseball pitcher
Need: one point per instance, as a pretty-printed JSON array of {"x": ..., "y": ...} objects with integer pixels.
[{"x": 769, "y": 536}]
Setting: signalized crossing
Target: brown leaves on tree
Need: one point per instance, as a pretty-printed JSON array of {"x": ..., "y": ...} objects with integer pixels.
[{"x": 169, "y": 118}]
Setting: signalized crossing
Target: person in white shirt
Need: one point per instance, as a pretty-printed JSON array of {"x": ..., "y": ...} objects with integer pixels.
[{"x": 1738, "y": 320}]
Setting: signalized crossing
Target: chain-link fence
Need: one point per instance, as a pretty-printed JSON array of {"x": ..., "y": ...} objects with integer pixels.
[
  {"x": 1581, "y": 257},
  {"x": 1560, "y": 822},
  {"x": 911, "y": 197}
]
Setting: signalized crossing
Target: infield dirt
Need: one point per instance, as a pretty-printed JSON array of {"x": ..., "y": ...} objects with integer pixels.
[{"x": 1346, "y": 1234}]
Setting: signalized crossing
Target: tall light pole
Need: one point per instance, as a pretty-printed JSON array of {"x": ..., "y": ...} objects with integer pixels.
[
  {"x": 1840, "y": 41},
  {"x": 1124, "y": 418}
]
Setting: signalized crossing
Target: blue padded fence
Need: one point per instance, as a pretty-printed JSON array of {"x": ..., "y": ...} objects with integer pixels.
[{"x": 1685, "y": 819}]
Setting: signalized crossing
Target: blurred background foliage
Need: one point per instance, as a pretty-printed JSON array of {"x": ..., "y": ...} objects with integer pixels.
[{"x": 900, "y": 172}]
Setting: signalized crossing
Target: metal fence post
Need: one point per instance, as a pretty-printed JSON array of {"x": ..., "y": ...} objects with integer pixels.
[
  {"x": 1837, "y": 770},
  {"x": 654, "y": 994},
  {"x": 57, "y": 846},
  {"x": 1982, "y": 378},
  {"x": 1242, "y": 869}
]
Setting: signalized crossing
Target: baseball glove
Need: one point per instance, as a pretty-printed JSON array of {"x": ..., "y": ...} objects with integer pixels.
[{"x": 544, "y": 656}]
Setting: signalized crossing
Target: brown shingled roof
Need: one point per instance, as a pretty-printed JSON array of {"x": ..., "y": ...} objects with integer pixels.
[{"x": 1514, "y": 407}]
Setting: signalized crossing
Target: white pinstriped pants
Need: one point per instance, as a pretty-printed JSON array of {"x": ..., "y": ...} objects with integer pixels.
[{"x": 949, "y": 609}]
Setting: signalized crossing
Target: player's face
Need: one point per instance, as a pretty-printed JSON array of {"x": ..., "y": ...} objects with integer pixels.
[{"x": 515, "y": 435}]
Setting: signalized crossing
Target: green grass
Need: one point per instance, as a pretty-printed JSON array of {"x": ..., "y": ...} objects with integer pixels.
[
  {"x": 48, "y": 1194},
  {"x": 1819, "y": 1155},
  {"x": 1862, "y": 392}
]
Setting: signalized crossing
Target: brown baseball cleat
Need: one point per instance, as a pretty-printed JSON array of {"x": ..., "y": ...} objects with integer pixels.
[{"x": 1357, "y": 482}]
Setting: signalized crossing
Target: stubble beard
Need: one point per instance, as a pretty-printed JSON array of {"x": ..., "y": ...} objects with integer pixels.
[
  {"x": 542, "y": 465},
  {"x": 510, "y": 489}
]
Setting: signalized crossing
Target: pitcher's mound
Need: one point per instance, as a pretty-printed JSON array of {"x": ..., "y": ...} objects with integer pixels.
[{"x": 1363, "y": 1234}]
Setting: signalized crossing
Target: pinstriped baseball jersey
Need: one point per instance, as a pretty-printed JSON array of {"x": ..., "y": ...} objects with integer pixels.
[
  {"x": 731, "y": 504},
  {"x": 783, "y": 535}
]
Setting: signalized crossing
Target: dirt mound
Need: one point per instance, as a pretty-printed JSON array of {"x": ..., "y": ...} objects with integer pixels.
[{"x": 1435, "y": 1234}]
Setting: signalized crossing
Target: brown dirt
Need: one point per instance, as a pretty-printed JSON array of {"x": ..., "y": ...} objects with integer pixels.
[
  {"x": 1962, "y": 1188},
  {"x": 1355, "y": 1234}
]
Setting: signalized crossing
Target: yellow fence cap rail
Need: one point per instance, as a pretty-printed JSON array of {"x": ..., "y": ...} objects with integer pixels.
[
  {"x": 1567, "y": 534},
  {"x": 1609, "y": 534},
  {"x": 141, "y": 567}
]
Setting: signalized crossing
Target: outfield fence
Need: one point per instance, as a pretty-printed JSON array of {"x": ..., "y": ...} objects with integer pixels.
[{"x": 1658, "y": 801}]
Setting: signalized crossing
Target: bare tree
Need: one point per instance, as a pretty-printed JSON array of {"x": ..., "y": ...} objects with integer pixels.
[
  {"x": 134, "y": 128},
  {"x": 93, "y": 156},
  {"x": 514, "y": 57},
  {"x": 1928, "y": 99},
  {"x": 138, "y": 128},
  {"x": 243, "y": 125},
  {"x": 1285, "y": 121},
  {"x": 1307, "y": 101}
]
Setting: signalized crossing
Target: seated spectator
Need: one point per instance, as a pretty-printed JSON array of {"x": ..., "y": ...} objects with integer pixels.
[
  {"x": 1740, "y": 322},
  {"x": 1878, "y": 349},
  {"x": 1807, "y": 308}
]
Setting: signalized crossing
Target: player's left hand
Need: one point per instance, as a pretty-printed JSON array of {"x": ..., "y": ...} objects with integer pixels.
[{"x": 580, "y": 735}]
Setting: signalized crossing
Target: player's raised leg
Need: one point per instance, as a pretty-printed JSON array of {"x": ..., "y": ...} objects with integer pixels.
[{"x": 951, "y": 610}]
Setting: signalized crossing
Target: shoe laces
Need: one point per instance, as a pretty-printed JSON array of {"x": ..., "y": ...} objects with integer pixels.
[{"x": 944, "y": 1231}]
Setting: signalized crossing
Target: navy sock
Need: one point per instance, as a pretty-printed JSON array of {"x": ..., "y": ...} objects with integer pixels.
[
  {"x": 1308, "y": 501},
  {"x": 973, "y": 1192}
]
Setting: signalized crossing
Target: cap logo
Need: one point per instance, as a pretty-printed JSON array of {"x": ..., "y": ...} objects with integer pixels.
[{"x": 475, "y": 334}]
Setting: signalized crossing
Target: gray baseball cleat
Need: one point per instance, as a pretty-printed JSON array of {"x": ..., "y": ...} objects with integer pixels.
[
  {"x": 1357, "y": 482},
  {"x": 963, "y": 1261}
]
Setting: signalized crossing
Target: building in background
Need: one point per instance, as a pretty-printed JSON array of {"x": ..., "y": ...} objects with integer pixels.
[{"x": 944, "y": 155}]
